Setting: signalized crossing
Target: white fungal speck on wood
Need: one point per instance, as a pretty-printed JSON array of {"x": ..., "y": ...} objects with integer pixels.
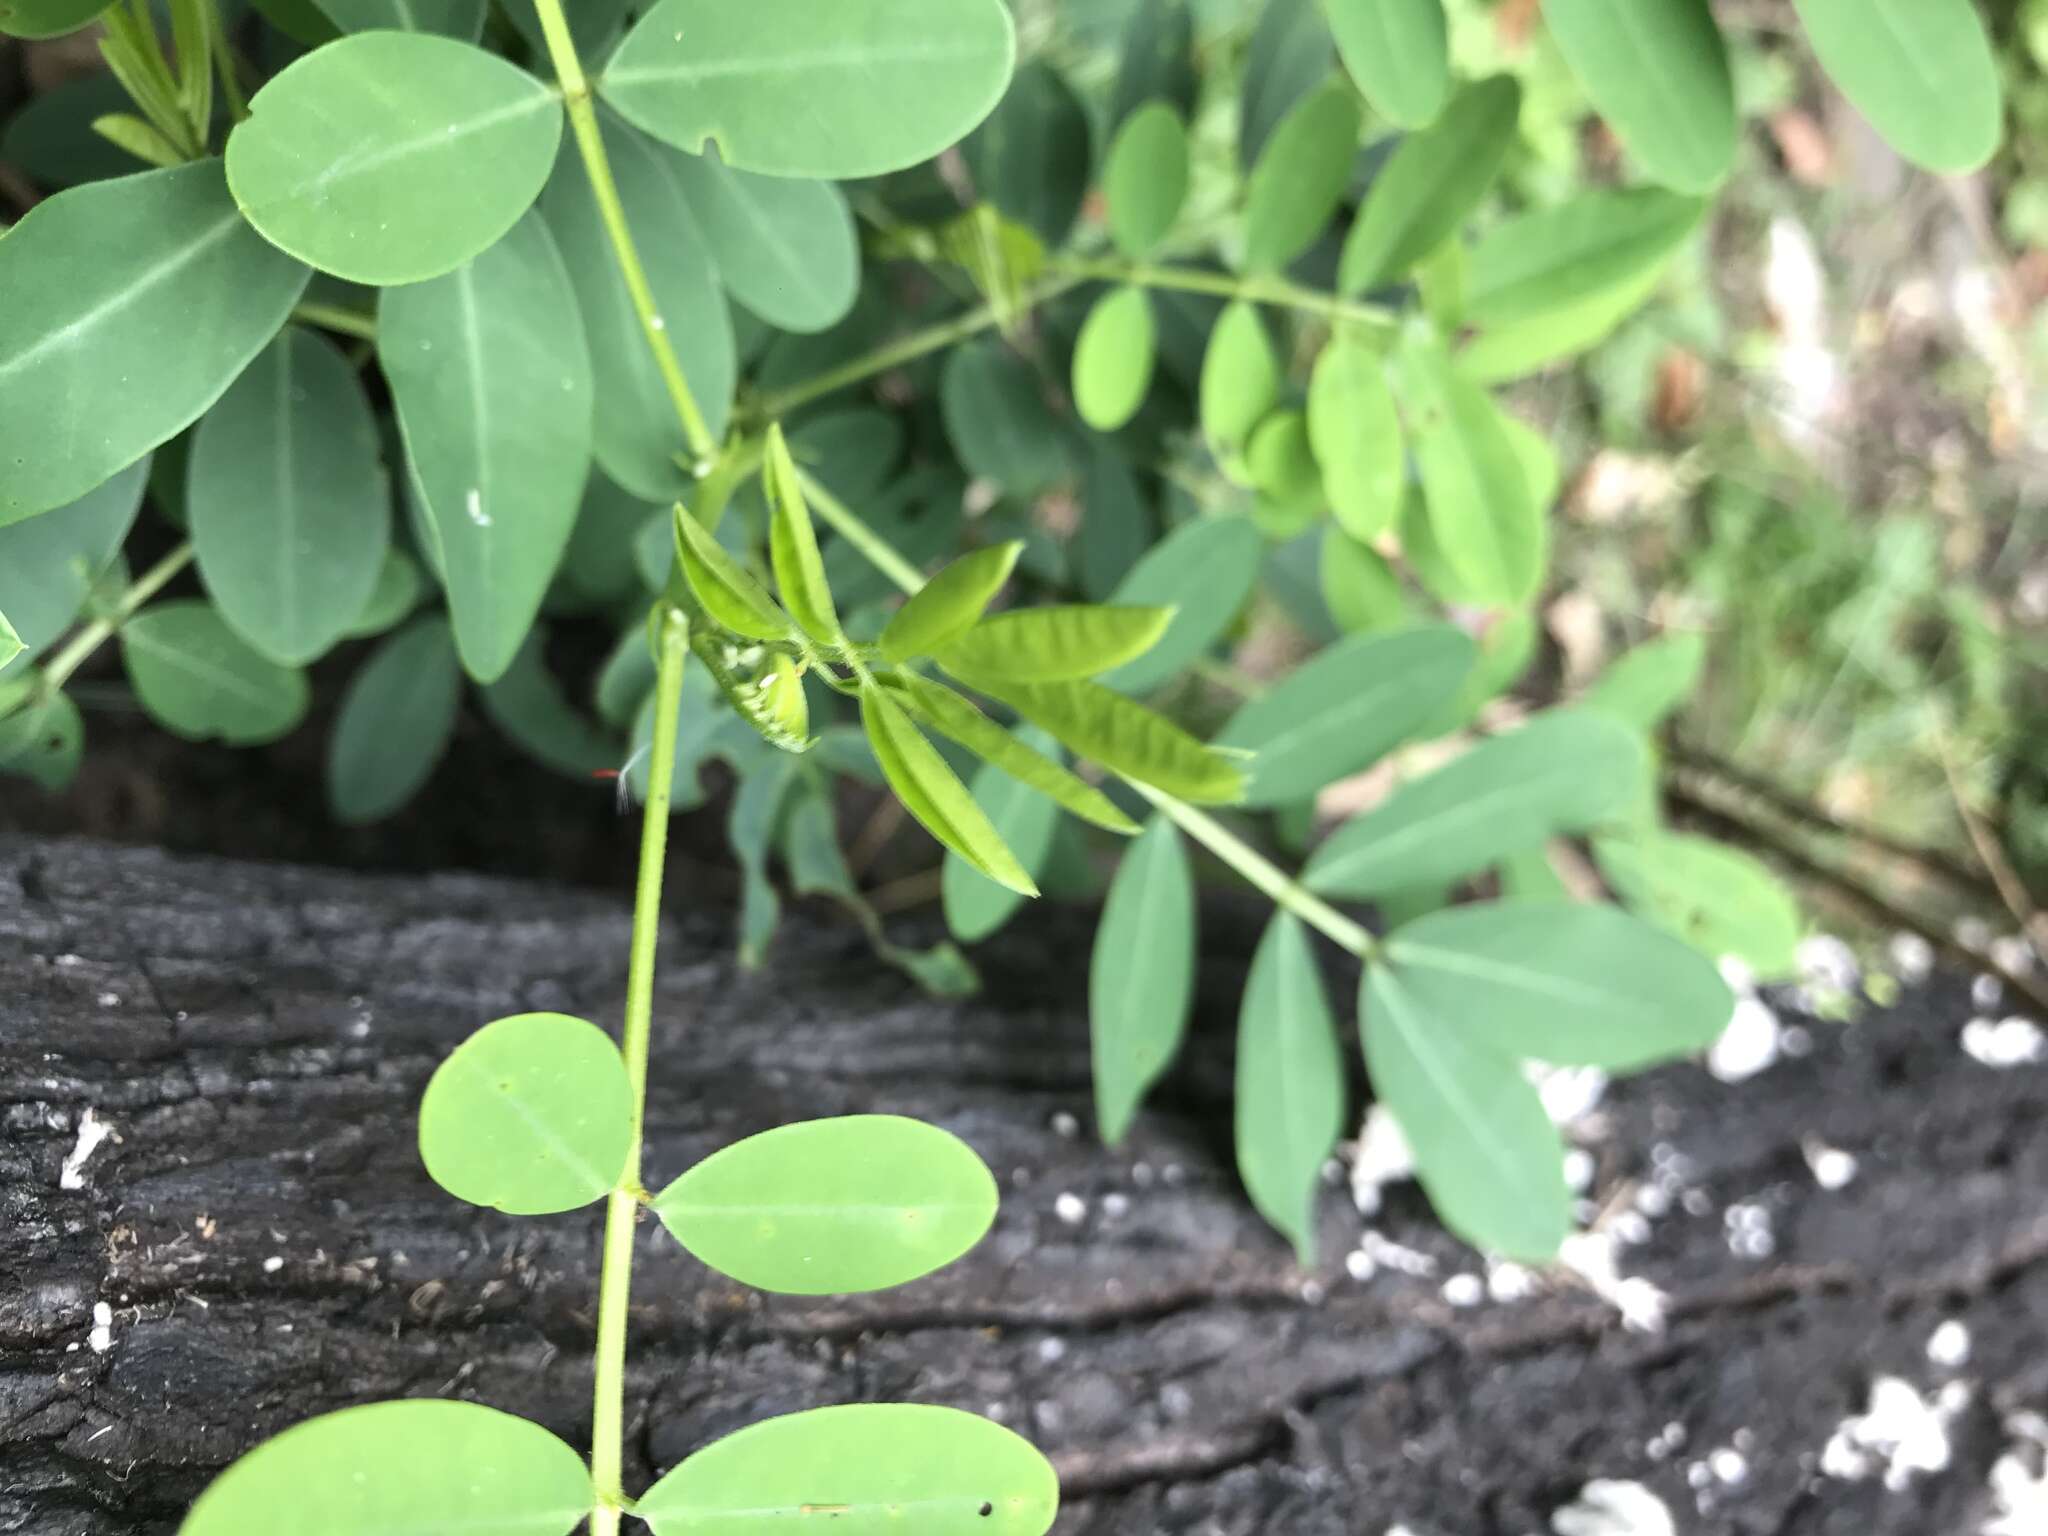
[
  {"x": 1379, "y": 1158},
  {"x": 92, "y": 1131},
  {"x": 1464, "y": 1290},
  {"x": 2013, "y": 1042},
  {"x": 1949, "y": 1345},
  {"x": 1070, "y": 1208},
  {"x": 1611, "y": 1507},
  {"x": 1748, "y": 1045},
  {"x": 102, "y": 1336},
  {"x": 1898, "y": 1436},
  {"x": 1591, "y": 1256},
  {"x": 273, "y": 1264},
  {"x": 1832, "y": 1167},
  {"x": 2019, "y": 1480}
]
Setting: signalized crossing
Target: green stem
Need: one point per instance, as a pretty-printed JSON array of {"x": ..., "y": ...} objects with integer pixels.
[
  {"x": 1258, "y": 289},
  {"x": 907, "y": 349},
  {"x": 597, "y": 165},
  {"x": 89, "y": 639},
  {"x": 846, "y": 522},
  {"x": 622, "y": 1207},
  {"x": 1205, "y": 829},
  {"x": 335, "y": 317},
  {"x": 1263, "y": 873}
]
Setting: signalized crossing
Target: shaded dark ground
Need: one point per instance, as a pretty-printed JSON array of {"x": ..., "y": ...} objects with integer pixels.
[{"x": 269, "y": 1247}]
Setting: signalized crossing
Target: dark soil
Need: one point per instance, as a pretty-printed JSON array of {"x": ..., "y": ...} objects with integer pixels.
[{"x": 270, "y": 1248}]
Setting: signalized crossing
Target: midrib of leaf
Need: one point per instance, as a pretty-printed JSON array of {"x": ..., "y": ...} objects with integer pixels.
[
  {"x": 486, "y": 1078},
  {"x": 130, "y": 291},
  {"x": 287, "y": 573},
  {"x": 1295, "y": 1010},
  {"x": 1895, "y": 27},
  {"x": 191, "y": 665},
  {"x": 851, "y": 59},
  {"x": 1456, "y": 816},
  {"x": 1483, "y": 968},
  {"x": 1477, "y": 1124},
  {"x": 1338, "y": 718},
  {"x": 1631, "y": 14},
  {"x": 479, "y": 538},
  {"x": 1150, "y": 893},
  {"x": 350, "y": 168},
  {"x": 781, "y": 252},
  {"x": 700, "y": 1509},
  {"x": 752, "y": 1209}
]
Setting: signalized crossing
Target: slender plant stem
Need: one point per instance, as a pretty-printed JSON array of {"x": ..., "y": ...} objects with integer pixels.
[
  {"x": 597, "y": 165},
  {"x": 334, "y": 317},
  {"x": 1225, "y": 285},
  {"x": 1205, "y": 829},
  {"x": 846, "y": 522},
  {"x": 96, "y": 634},
  {"x": 908, "y": 349},
  {"x": 622, "y": 1207}
]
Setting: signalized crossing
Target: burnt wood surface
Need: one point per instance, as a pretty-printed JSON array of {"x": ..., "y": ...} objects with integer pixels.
[{"x": 257, "y": 1037}]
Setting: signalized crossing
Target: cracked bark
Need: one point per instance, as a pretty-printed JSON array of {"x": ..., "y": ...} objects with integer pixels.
[{"x": 258, "y": 1036}]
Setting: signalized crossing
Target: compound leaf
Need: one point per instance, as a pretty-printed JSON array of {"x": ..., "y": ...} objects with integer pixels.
[{"x": 856, "y": 1203}]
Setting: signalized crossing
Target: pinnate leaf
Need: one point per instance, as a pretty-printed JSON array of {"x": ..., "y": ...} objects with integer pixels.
[
  {"x": 856, "y": 1203},
  {"x": 531, "y": 1114}
]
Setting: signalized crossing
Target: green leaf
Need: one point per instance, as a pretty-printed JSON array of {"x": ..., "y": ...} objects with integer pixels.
[
  {"x": 1922, "y": 71},
  {"x": 933, "y": 793},
  {"x": 1158, "y": 60},
  {"x": 417, "y": 1466},
  {"x": 11, "y": 644},
  {"x": 1355, "y": 431},
  {"x": 813, "y": 87},
  {"x": 639, "y": 441},
  {"x": 1564, "y": 772},
  {"x": 793, "y": 545},
  {"x": 998, "y": 421},
  {"x": 1053, "y": 643},
  {"x": 491, "y": 376},
  {"x": 145, "y": 296},
  {"x": 287, "y": 498},
  {"x": 1114, "y": 358},
  {"x": 463, "y": 19},
  {"x": 786, "y": 248},
  {"x": 1290, "y": 56},
  {"x": 950, "y": 604},
  {"x": 950, "y": 715},
  {"x": 200, "y": 680},
  {"x": 1645, "y": 685},
  {"x": 530, "y": 1115},
  {"x": 1031, "y": 158},
  {"x": 1281, "y": 465},
  {"x": 49, "y": 563},
  {"x": 1562, "y": 982},
  {"x": 1204, "y": 571},
  {"x": 1399, "y": 53},
  {"x": 1485, "y": 1150},
  {"x": 1483, "y": 514},
  {"x": 395, "y": 722},
  {"x": 50, "y": 137},
  {"x": 398, "y": 591},
  {"x": 856, "y": 1203},
  {"x": 1561, "y": 257},
  {"x": 859, "y": 1468},
  {"x": 1145, "y": 178},
  {"x": 43, "y": 740},
  {"x": 1513, "y": 351},
  {"x": 1361, "y": 590},
  {"x": 47, "y": 18},
  {"x": 1125, "y": 737},
  {"x": 302, "y": 21},
  {"x": 1346, "y": 709},
  {"x": 1116, "y": 525},
  {"x": 1290, "y": 1082},
  {"x": 1658, "y": 72},
  {"x": 1301, "y": 175},
  {"x": 1718, "y": 899},
  {"x": 1141, "y": 979},
  {"x": 391, "y": 157},
  {"x": 728, "y": 592},
  {"x": 1431, "y": 184},
  {"x": 1240, "y": 379}
]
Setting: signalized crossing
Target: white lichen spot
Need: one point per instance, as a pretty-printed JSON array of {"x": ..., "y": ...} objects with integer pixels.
[
  {"x": 1380, "y": 1157},
  {"x": 110, "y": 999},
  {"x": 1610, "y": 1507},
  {"x": 92, "y": 1131},
  {"x": 1729, "y": 1466},
  {"x": 1748, "y": 1045},
  {"x": 101, "y": 1339},
  {"x": 1949, "y": 1345},
  {"x": 1070, "y": 1208},
  {"x": 273, "y": 1264},
  {"x": 1388, "y": 1254},
  {"x": 1507, "y": 1281},
  {"x": 1051, "y": 1351},
  {"x": 1464, "y": 1290},
  {"x": 2019, "y": 1480},
  {"x": 1591, "y": 1256},
  {"x": 1898, "y": 1436},
  {"x": 1832, "y": 1167},
  {"x": 1570, "y": 1094},
  {"x": 2013, "y": 1042}
]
